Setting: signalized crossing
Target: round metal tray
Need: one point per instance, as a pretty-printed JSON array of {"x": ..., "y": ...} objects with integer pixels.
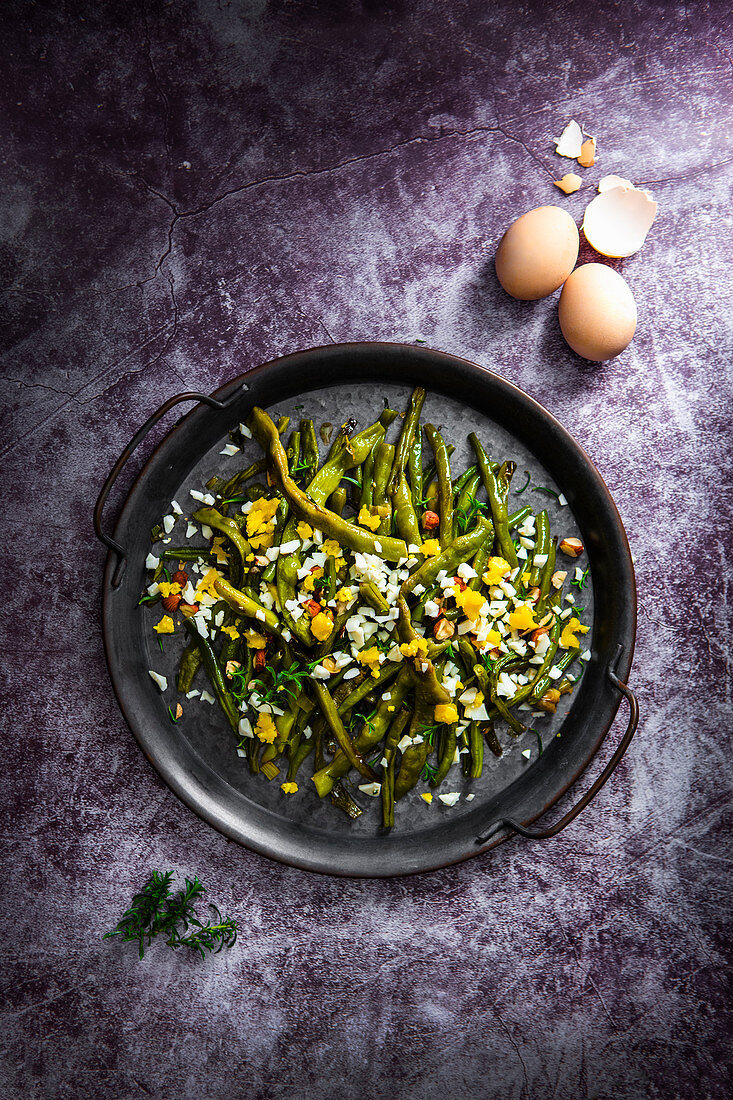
[{"x": 196, "y": 757}]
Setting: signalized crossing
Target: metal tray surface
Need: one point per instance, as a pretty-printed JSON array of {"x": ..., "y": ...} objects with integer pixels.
[{"x": 196, "y": 757}]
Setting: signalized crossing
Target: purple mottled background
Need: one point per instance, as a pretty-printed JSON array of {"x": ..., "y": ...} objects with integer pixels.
[{"x": 191, "y": 188}]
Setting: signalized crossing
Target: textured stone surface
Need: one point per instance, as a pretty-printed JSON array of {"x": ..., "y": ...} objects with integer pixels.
[{"x": 193, "y": 188}]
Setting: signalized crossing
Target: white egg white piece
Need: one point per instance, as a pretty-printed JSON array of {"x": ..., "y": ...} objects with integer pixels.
[
  {"x": 617, "y": 221},
  {"x": 570, "y": 142}
]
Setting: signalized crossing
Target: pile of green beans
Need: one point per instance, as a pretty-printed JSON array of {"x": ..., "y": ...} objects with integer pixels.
[{"x": 388, "y": 723}]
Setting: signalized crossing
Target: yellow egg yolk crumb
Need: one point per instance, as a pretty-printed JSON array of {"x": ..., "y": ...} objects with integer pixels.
[
  {"x": 304, "y": 529},
  {"x": 366, "y": 519},
  {"x": 321, "y": 626},
  {"x": 231, "y": 631},
  {"x": 568, "y": 638},
  {"x": 522, "y": 618},
  {"x": 418, "y": 647},
  {"x": 289, "y": 788},
  {"x": 332, "y": 549},
  {"x": 496, "y": 570},
  {"x": 165, "y": 626},
  {"x": 266, "y": 729},
  {"x": 254, "y": 640},
  {"x": 370, "y": 658},
  {"x": 427, "y": 797},
  {"x": 430, "y": 548},
  {"x": 469, "y": 601},
  {"x": 446, "y": 712}
]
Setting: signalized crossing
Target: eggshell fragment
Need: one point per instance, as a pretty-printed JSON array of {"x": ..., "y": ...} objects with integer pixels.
[
  {"x": 617, "y": 221},
  {"x": 537, "y": 253},
  {"x": 597, "y": 312},
  {"x": 570, "y": 142},
  {"x": 570, "y": 183},
  {"x": 587, "y": 156},
  {"x": 608, "y": 182}
]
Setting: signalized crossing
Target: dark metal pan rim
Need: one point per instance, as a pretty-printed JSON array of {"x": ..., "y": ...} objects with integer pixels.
[{"x": 311, "y": 369}]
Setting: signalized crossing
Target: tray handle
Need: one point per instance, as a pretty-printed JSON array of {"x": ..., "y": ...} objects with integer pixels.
[
  {"x": 553, "y": 830},
  {"x": 134, "y": 443}
]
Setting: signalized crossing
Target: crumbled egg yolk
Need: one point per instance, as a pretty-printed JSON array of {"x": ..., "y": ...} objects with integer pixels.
[
  {"x": 469, "y": 601},
  {"x": 166, "y": 589},
  {"x": 568, "y": 638},
  {"x": 370, "y": 658},
  {"x": 231, "y": 631},
  {"x": 289, "y": 788},
  {"x": 260, "y": 522},
  {"x": 427, "y": 797},
  {"x": 332, "y": 549},
  {"x": 254, "y": 640},
  {"x": 366, "y": 519},
  {"x": 321, "y": 626},
  {"x": 310, "y": 581},
  {"x": 205, "y": 586},
  {"x": 493, "y": 638},
  {"x": 430, "y": 548},
  {"x": 497, "y": 569},
  {"x": 304, "y": 529},
  {"x": 446, "y": 712},
  {"x": 522, "y": 618},
  {"x": 344, "y": 595},
  {"x": 418, "y": 647},
  {"x": 165, "y": 626},
  {"x": 266, "y": 729},
  {"x": 217, "y": 549}
]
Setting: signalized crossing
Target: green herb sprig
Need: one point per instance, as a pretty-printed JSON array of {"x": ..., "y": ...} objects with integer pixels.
[{"x": 157, "y": 911}]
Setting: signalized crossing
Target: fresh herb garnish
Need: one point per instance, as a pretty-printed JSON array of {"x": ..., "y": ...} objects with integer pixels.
[
  {"x": 286, "y": 680},
  {"x": 160, "y": 643},
  {"x": 544, "y": 489},
  {"x": 518, "y": 492},
  {"x": 428, "y": 772},
  {"x": 147, "y": 599},
  {"x": 465, "y": 515},
  {"x": 172, "y": 715},
  {"x": 352, "y": 480},
  {"x": 580, "y": 582},
  {"x": 539, "y": 740},
  {"x": 157, "y": 911},
  {"x": 299, "y": 408}
]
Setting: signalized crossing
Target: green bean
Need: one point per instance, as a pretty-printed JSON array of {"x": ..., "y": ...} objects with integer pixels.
[
  {"x": 391, "y": 741},
  {"x": 366, "y": 497},
  {"x": 410, "y": 426},
  {"x": 249, "y": 607},
  {"x": 543, "y": 681},
  {"x": 382, "y": 465},
  {"x": 371, "y": 595},
  {"x": 341, "y": 798},
  {"x": 517, "y": 518},
  {"x": 541, "y": 547},
  {"x": 337, "y": 501},
  {"x": 497, "y": 489},
  {"x": 309, "y": 457},
  {"x": 491, "y": 739},
  {"x": 228, "y": 527},
  {"x": 343, "y": 740},
  {"x": 445, "y": 486},
  {"x": 345, "y": 533},
  {"x": 405, "y": 517},
  {"x": 475, "y": 756},
  {"x": 211, "y": 664},
  {"x": 370, "y": 734},
  {"x": 447, "y": 754},
  {"x": 188, "y": 553},
  {"x": 189, "y": 666},
  {"x": 414, "y": 470}
]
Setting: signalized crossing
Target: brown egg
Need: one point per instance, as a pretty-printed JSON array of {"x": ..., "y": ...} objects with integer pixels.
[
  {"x": 597, "y": 312},
  {"x": 537, "y": 253}
]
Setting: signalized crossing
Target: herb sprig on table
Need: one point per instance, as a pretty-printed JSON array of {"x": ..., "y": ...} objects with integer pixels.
[{"x": 157, "y": 910}]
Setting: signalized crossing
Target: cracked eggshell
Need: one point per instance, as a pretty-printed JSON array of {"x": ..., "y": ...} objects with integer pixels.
[
  {"x": 617, "y": 221},
  {"x": 608, "y": 182},
  {"x": 537, "y": 253},
  {"x": 597, "y": 312},
  {"x": 570, "y": 142},
  {"x": 570, "y": 183}
]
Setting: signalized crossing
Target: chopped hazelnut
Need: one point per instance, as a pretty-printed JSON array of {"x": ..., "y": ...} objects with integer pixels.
[{"x": 573, "y": 548}]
